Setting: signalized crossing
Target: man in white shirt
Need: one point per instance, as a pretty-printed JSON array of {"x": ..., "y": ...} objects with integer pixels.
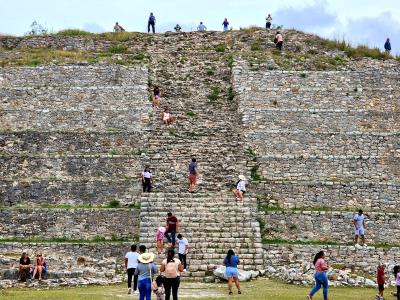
[
  {"x": 183, "y": 250},
  {"x": 359, "y": 226},
  {"x": 201, "y": 27},
  {"x": 131, "y": 263}
]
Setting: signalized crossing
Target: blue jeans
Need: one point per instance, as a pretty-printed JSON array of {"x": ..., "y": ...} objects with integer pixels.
[
  {"x": 320, "y": 280},
  {"x": 144, "y": 286}
]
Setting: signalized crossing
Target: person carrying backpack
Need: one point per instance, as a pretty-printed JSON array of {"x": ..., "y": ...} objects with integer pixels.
[
  {"x": 151, "y": 23},
  {"x": 171, "y": 267}
]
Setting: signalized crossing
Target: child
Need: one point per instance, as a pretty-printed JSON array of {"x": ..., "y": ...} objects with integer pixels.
[
  {"x": 240, "y": 188},
  {"x": 160, "y": 239},
  {"x": 167, "y": 117},
  {"x": 396, "y": 271},
  {"x": 380, "y": 280},
  {"x": 158, "y": 287},
  {"x": 156, "y": 97}
]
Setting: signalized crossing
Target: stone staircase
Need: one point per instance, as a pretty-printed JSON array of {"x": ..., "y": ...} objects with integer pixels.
[{"x": 212, "y": 223}]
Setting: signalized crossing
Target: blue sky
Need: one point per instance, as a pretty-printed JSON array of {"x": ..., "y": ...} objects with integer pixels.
[{"x": 358, "y": 21}]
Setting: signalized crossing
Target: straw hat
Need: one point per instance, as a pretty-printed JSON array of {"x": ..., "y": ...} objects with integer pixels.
[
  {"x": 241, "y": 177},
  {"x": 146, "y": 258}
]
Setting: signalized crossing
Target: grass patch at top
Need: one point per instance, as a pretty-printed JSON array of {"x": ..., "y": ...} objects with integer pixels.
[
  {"x": 41, "y": 56},
  {"x": 73, "y": 32},
  {"x": 354, "y": 52}
]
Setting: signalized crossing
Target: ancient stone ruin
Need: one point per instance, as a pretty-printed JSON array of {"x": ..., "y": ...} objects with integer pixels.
[{"x": 314, "y": 131}]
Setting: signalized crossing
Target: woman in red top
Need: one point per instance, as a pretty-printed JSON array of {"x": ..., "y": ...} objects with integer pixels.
[
  {"x": 40, "y": 266},
  {"x": 320, "y": 275}
]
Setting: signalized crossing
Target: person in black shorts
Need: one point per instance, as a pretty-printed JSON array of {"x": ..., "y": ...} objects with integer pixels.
[{"x": 24, "y": 267}]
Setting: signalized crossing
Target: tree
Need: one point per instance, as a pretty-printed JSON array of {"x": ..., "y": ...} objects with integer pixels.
[{"x": 37, "y": 29}]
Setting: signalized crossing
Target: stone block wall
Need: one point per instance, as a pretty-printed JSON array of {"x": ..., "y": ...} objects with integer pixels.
[
  {"x": 298, "y": 258},
  {"x": 328, "y": 226},
  {"x": 315, "y": 195},
  {"x": 84, "y": 224},
  {"x": 73, "y": 76}
]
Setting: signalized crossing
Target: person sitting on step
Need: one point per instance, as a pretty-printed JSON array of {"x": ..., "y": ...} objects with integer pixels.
[
  {"x": 24, "y": 267},
  {"x": 118, "y": 28},
  {"x": 178, "y": 28},
  {"x": 156, "y": 96},
  {"x": 240, "y": 189},
  {"x": 167, "y": 117},
  {"x": 40, "y": 267}
]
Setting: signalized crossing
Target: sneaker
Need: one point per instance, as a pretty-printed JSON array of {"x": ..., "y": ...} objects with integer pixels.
[
  {"x": 230, "y": 293},
  {"x": 129, "y": 291},
  {"x": 239, "y": 292},
  {"x": 135, "y": 292}
]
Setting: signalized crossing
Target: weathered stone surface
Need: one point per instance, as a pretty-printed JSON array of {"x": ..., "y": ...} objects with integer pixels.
[
  {"x": 242, "y": 275},
  {"x": 69, "y": 223}
]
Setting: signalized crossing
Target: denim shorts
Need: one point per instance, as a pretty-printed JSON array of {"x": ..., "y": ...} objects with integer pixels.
[{"x": 231, "y": 272}]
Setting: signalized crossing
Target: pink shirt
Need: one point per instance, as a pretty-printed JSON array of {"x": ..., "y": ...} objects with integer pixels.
[
  {"x": 321, "y": 265},
  {"x": 159, "y": 235}
]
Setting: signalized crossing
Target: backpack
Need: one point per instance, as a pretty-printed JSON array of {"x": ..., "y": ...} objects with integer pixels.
[
  {"x": 171, "y": 269},
  {"x": 152, "y": 18}
]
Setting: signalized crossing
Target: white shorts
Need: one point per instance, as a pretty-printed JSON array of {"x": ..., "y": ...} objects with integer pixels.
[{"x": 359, "y": 231}]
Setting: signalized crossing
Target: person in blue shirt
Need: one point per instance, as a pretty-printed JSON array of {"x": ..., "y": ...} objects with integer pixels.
[
  {"x": 201, "y": 27},
  {"x": 231, "y": 262},
  {"x": 225, "y": 24},
  {"x": 388, "y": 47},
  {"x": 151, "y": 23}
]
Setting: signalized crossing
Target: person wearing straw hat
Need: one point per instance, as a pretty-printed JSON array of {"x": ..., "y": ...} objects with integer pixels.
[
  {"x": 240, "y": 189},
  {"x": 145, "y": 271}
]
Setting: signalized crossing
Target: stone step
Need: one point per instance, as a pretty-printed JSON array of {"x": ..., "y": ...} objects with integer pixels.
[
  {"x": 336, "y": 226},
  {"x": 74, "y": 120},
  {"x": 80, "y": 224},
  {"x": 323, "y": 144},
  {"x": 351, "y": 169},
  {"x": 375, "y": 196},
  {"x": 74, "y": 75},
  {"x": 325, "y": 122},
  {"x": 73, "y": 98},
  {"x": 327, "y": 100},
  {"x": 332, "y": 80}
]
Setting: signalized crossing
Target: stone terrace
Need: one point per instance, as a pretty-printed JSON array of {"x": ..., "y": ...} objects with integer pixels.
[
  {"x": 317, "y": 145},
  {"x": 320, "y": 146}
]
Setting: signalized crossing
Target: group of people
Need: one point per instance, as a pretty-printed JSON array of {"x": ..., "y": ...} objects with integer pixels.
[
  {"x": 321, "y": 278},
  {"x": 239, "y": 189},
  {"x": 141, "y": 268},
  {"x": 27, "y": 270}
]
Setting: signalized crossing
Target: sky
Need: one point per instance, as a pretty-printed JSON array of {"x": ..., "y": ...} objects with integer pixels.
[{"x": 357, "y": 21}]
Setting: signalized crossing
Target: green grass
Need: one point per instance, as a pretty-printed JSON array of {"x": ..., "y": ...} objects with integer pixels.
[
  {"x": 118, "y": 49},
  {"x": 190, "y": 114},
  {"x": 73, "y": 32},
  {"x": 260, "y": 289},
  {"x": 214, "y": 94},
  {"x": 350, "y": 51},
  {"x": 220, "y": 47},
  {"x": 40, "y": 56},
  {"x": 114, "y": 204}
]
